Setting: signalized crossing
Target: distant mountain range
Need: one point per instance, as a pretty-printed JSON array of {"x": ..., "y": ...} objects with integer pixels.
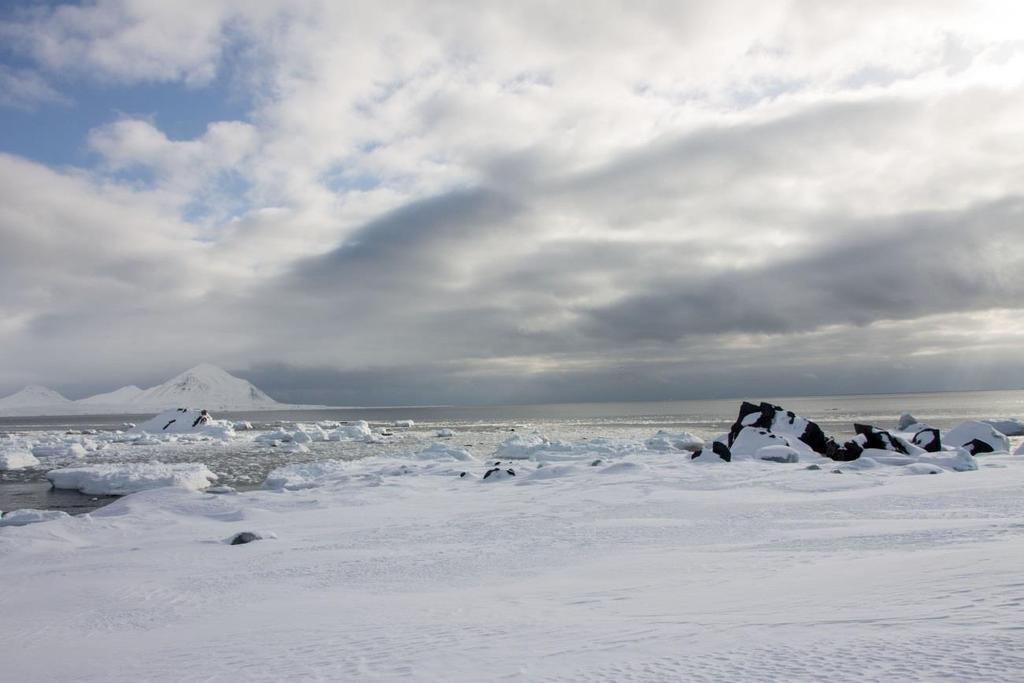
[{"x": 204, "y": 386}]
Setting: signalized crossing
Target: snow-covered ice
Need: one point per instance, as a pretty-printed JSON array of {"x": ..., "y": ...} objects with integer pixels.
[
  {"x": 119, "y": 479},
  {"x": 647, "y": 566},
  {"x": 29, "y": 516},
  {"x": 527, "y": 556},
  {"x": 1007, "y": 425},
  {"x": 17, "y": 460}
]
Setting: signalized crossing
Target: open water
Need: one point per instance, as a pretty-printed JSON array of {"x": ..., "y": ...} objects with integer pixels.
[{"x": 244, "y": 464}]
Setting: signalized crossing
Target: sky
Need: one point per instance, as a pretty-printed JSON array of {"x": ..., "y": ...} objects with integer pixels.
[{"x": 369, "y": 203}]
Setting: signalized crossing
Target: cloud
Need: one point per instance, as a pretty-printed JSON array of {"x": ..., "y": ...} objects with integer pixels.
[
  {"x": 523, "y": 202},
  {"x": 25, "y": 89}
]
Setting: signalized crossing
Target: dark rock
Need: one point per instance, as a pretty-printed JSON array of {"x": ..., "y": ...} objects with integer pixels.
[
  {"x": 975, "y": 446},
  {"x": 777, "y": 420},
  {"x": 718, "y": 448},
  {"x": 245, "y": 537},
  {"x": 813, "y": 467},
  {"x": 880, "y": 439},
  {"x": 928, "y": 439}
]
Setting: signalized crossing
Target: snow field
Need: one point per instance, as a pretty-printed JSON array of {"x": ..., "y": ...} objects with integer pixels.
[{"x": 649, "y": 567}]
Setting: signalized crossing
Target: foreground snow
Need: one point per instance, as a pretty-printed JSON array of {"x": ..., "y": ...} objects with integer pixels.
[{"x": 605, "y": 564}]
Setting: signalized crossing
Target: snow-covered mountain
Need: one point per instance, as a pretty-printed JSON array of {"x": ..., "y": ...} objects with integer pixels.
[
  {"x": 116, "y": 397},
  {"x": 204, "y": 386},
  {"x": 33, "y": 400}
]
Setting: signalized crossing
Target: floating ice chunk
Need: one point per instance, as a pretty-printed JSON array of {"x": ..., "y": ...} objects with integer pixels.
[
  {"x": 17, "y": 460},
  {"x": 59, "y": 450},
  {"x": 441, "y": 451},
  {"x": 977, "y": 437},
  {"x": 30, "y": 516},
  {"x": 404, "y": 423},
  {"x": 355, "y": 431},
  {"x": 1008, "y": 426},
  {"x": 905, "y": 421},
  {"x": 674, "y": 441},
  {"x": 241, "y": 426},
  {"x": 122, "y": 479},
  {"x": 445, "y": 432},
  {"x": 521, "y": 447}
]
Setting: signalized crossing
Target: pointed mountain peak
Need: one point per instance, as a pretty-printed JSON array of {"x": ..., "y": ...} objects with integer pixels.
[{"x": 206, "y": 370}]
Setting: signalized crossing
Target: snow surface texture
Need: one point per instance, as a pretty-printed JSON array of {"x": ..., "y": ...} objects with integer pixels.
[
  {"x": 116, "y": 480},
  {"x": 613, "y": 564},
  {"x": 204, "y": 386}
]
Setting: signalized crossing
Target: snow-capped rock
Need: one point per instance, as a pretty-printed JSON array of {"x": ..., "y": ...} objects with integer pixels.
[
  {"x": 780, "y": 422},
  {"x": 186, "y": 421},
  {"x": 750, "y": 440},
  {"x": 977, "y": 437}
]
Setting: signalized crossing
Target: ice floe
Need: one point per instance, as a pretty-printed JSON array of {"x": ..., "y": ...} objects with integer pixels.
[
  {"x": 121, "y": 479},
  {"x": 30, "y": 516}
]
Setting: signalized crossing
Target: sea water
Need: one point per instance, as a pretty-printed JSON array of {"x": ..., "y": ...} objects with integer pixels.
[{"x": 244, "y": 464}]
